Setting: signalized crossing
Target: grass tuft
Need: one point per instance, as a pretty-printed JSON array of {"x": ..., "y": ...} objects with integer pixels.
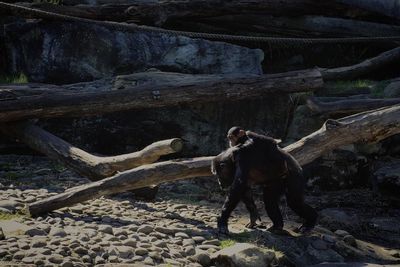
[{"x": 16, "y": 78}]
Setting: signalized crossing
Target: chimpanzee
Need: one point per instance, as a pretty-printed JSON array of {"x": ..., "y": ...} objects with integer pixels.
[
  {"x": 257, "y": 159},
  {"x": 247, "y": 196}
]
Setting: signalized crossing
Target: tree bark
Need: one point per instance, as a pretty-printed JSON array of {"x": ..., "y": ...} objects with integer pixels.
[
  {"x": 363, "y": 68},
  {"x": 202, "y": 89},
  {"x": 348, "y": 106},
  {"x": 370, "y": 126},
  {"x": 162, "y": 12},
  {"x": 318, "y": 26},
  {"x": 84, "y": 163},
  {"x": 389, "y": 8}
]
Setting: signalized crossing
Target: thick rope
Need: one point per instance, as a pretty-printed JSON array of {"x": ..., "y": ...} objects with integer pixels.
[{"x": 18, "y": 10}]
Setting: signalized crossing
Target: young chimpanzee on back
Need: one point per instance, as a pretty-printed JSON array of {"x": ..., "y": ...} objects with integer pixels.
[{"x": 257, "y": 159}]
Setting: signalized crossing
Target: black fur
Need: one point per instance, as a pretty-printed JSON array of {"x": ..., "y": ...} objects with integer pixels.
[{"x": 276, "y": 170}]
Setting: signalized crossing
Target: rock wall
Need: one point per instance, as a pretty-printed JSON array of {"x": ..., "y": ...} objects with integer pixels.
[
  {"x": 60, "y": 53},
  {"x": 55, "y": 52}
]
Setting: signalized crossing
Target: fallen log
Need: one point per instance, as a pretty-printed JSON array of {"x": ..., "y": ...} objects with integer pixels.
[
  {"x": 363, "y": 68},
  {"x": 317, "y": 26},
  {"x": 201, "y": 89},
  {"x": 91, "y": 166},
  {"x": 161, "y": 12},
  {"x": 370, "y": 126},
  {"x": 348, "y": 106},
  {"x": 389, "y": 8}
]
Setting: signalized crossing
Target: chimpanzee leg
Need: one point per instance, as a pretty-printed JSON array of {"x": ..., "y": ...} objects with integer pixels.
[
  {"x": 295, "y": 186},
  {"x": 272, "y": 195},
  {"x": 235, "y": 195},
  {"x": 248, "y": 200}
]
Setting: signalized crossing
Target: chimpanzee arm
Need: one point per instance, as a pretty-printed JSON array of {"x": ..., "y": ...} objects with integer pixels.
[{"x": 235, "y": 194}]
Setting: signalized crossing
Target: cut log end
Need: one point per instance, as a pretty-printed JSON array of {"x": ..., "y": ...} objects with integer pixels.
[{"x": 176, "y": 144}]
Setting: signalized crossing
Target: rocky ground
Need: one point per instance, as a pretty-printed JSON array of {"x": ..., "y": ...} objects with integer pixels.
[{"x": 178, "y": 228}]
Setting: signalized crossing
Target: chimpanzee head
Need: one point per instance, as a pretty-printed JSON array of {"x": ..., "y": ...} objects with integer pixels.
[
  {"x": 236, "y": 135},
  {"x": 224, "y": 167}
]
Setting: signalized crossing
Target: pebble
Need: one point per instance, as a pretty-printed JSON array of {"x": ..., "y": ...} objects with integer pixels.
[
  {"x": 35, "y": 232},
  {"x": 57, "y": 232},
  {"x": 146, "y": 229},
  {"x": 141, "y": 251},
  {"x": 56, "y": 259},
  {"x": 341, "y": 233},
  {"x": 181, "y": 234},
  {"x": 38, "y": 243},
  {"x": 202, "y": 257},
  {"x": 350, "y": 240},
  {"x": 106, "y": 229}
]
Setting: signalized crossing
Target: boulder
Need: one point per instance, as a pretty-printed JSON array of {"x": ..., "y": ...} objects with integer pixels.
[
  {"x": 337, "y": 219},
  {"x": 243, "y": 255},
  {"x": 387, "y": 176},
  {"x": 392, "y": 89}
]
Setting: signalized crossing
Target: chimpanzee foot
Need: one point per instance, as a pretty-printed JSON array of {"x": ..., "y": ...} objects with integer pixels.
[
  {"x": 305, "y": 229},
  {"x": 251, "y": 225},
  {"x": 276, "y": 229},
  {"x": 223, "y": 230}
]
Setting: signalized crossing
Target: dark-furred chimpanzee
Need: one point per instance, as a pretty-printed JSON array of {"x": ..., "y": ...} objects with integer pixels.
[
  {"x": 247, "y": 195},
  {"x": 257, "y": 159}
]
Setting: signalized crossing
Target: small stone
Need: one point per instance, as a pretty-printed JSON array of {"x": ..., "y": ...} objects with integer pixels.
[
  {"x": 138, "y": 258},
  {"x": 198, "y": 239},
  {"x": 56, "y": 259},
  {"x": 23, "y": 245},
  {"x": 81, "y": 250},
  {"x": 67, "y": 264},
  {"x": 165, "y": 230},
  {"x": 57, "y": 232},
  {"x": 27, "y": 260},
  {"x": 141, "y": 251},
  {"x": 146, "y": 229},
  {"x": 129, "y": 242},
  {"x": 86, "y": 259},
  {"x": 155, "y": 255},
  {"x": 189, "y": 251},
  {"x": 35, "y": 232},
  {"x": 38, "y": 243},
  {"x": 182, "y": 235},
  {"x": 99, "y": 260},
  {"x": 160, "y": 244},
  {"x": 10, "y": 205},
  {"x": 201, "y": 257},
  {"x": 341, "y": 233},
  {"x": 148, "y": 261},
  {"x": 19, "y": 255},
  {"x": 106, "y": 229},
  {"x": 113, "y": 259},
  {"x": 39, "y": 262},
  {"x": 350, "y": 240}
]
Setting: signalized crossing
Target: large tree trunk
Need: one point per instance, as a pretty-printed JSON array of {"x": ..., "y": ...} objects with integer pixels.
[
  {"x": 161, "y": 12},
  {"x": 370, "y": 126},
  {"x": 348, "y": 106},
  {"x": 84, "y": 163},
  {"x": 200, "y": 90},
  {"x": 363, "y": 68}
]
